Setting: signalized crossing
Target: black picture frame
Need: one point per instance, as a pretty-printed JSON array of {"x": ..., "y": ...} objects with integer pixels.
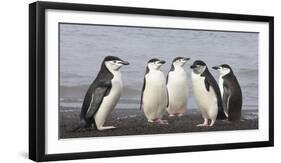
[{"x": 37, "y": 80}]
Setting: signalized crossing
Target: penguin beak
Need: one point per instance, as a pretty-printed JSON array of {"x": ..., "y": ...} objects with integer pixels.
[
  {"x": 216, "y": 67},
  {"x": 162, "y": 62},
  {"x": 125, "y": 63},
  {"x": 193, "y": 66},
  {"x": 185, "y": 60}
]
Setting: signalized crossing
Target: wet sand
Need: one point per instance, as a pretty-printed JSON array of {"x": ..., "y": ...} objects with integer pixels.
[{"x": 133, "y": 122}]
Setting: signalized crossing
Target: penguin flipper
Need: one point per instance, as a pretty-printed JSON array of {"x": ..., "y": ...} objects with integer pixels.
[
  {"x": 207, "y": 84},
  {"x": 210, "y": 81},
  {"x": 97, "y": 96},
  {"x": 143, "y": 87}
]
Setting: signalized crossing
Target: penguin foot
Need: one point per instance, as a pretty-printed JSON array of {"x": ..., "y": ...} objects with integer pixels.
[
  {"x": 106, "y": 128},
  {"x": 180, "y": 115},
  {"x": 176, "y": 114},
  {"x": 202, "y": 125},
  {"x": 160, "y": 121},
  {"x": 164, "y": 122}
]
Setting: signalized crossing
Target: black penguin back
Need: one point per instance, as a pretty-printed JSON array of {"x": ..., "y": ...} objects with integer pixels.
[
  {"x": 232, "y": 97},
  {"x": 143, "y": 86},
  {"x": 103, "y": 78}
]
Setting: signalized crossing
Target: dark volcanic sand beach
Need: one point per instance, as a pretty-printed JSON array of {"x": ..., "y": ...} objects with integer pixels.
[{"x": 133, "y": 122}]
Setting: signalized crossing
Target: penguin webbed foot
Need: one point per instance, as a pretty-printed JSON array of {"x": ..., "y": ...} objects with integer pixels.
[
  {"x": 164, "y": 122},
  {"x": 159, "y": 121},
  {"x": 180, "y": 115},
  {"x": 204, "y": 124},
  {"x": 176, "y": 115},
  {"x": 106, "y": 128},
  {"x": 171, "y": 115}
]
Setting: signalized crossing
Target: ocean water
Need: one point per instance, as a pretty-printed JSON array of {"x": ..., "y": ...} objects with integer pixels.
[{"x": 83, "y": 47}]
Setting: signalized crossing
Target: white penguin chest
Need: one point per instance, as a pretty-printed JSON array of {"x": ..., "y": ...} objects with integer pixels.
[
  {"x": 155, "y": 92},
  {"x": 156, "y": 81},
  {"x": 198, "y": 84},
  {"x": 205, "y": 99},
  {"x": 177, "y": 87},
  {"x": 112, "y": 98},
  {"x": 116, "y": 84},
  {"x": 177, "y": 81},
  {"x": 155, "y": 95}
]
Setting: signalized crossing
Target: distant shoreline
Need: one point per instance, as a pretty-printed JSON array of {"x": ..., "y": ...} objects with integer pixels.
[{"x": 133, "y": 122}]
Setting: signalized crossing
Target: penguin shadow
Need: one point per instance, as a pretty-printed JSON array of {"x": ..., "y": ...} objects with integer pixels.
[{"x": 222, "y": 125}]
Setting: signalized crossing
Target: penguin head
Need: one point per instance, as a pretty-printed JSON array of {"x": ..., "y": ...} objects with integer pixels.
[
  {"x": 155, "y": 63},
  {"x": 198, "y": 66},
  {"x": 180, "y": 61},
  {"x": 114, "y": 63},
  {"x": 223, "y": 69}
]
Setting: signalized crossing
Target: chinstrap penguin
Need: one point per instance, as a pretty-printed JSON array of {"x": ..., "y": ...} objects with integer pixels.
[
  {"x": 154, "y": 96},
  {"x": 177, "y": 87},
  {"x": 103, "y": 94},
  {"x": 230, "y": 91},
  {"x": 207, "y": 93}
]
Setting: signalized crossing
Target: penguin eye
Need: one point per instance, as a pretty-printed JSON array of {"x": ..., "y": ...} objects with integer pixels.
[{"x": 114, "y": 61}]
